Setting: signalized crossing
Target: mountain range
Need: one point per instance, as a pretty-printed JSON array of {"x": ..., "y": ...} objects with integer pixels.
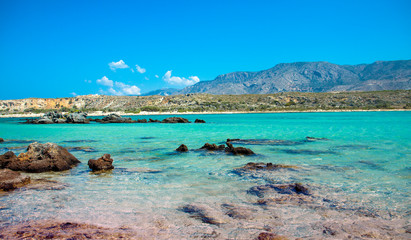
[{"x": 310, "y": 77}]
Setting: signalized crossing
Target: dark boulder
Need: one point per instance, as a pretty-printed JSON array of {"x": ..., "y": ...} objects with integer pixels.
[
  {"x": 1, "y": 140},
  {"x": 291, "y": 189},
  {"x": 103, "y": 163},
  {"x": 115, "y": 118},
  {"x": 175, "y": 120},
  {"x": 182, "y": 148},
  {"x": 40, "y": 158},
  {"x": 10, "y": 180},
  {"x": 213, "y": 147},
  {"x": 238, "y": 150},
  {"x": 142, "y": 120},
  {"x": 153, "y": 120},
  {"x": 199, "y": 121},
  {"x": 233, "y": 140}
]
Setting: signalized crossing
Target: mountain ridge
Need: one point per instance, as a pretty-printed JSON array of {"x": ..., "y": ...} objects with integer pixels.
[{"x": 310, "y": 77}]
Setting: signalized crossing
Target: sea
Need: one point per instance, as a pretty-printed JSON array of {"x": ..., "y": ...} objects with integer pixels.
[{"x": 356, "y": 166}]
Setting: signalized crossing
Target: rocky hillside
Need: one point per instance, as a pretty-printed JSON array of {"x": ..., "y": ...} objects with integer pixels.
[
  {"x": 311, "y": 77},
  {"x": 398, "y": 99}
]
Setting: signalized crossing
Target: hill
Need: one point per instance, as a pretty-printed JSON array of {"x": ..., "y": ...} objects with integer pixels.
[{"x": 311, "y": 77}]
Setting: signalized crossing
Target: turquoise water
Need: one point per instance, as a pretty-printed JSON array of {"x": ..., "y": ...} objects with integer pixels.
[{"x": 365, "y": 165}]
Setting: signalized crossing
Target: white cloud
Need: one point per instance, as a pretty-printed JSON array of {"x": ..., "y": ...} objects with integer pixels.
[
  {"x": 120, "y": 64},
  {"x": 146, "y": 78},
  {"x": 180, "y": 80},
  {"x": 105, "y": 81},
  {"x": 156, "y": 76},
  {"x": 124, "y": 89},
  {"x": 140, "y": 69},
  {"x": 74, "y": 94}
]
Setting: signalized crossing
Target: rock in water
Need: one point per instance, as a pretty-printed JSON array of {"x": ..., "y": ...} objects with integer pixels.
[
  {"x": 238, "y": 150},
  {"x": 199, "y": 121},
  {"x": 1, "y": 140},
  {"x": 175, "y": 120},
  {"x": 204, "y": 213},
  {"x": 80, "y": 117},
  {"x": 213, "y": 147},
  {"x": 10, "y": 180},
  {"x": 103, "y": 163},
  {"x": 40, "y": 158},
  {"x": 182, "y": 148}
]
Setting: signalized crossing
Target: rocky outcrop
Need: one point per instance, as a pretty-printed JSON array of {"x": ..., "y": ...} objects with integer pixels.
[
  {"x": 175, "y": 120},
  {"x": 115, "y": 118},
  {"x": 80, "y": 117},
  {"x": 142, "y": 120},
  {"x": 40, "y": 158},
  {"x": 103, "y": 163},
  {"x": 213, "y": 147},
  {"x": 313, "y": 139},
  {"x": 182, "y": 148},
  {"x": 238, "y": 150},
  {"x": 199, "y": 121},
  {"x": 56, "y": 117},
  {"x": 10, "y": 180},
  {"x": 1, "y": 140},
  {"x": 153, "y": 121}
]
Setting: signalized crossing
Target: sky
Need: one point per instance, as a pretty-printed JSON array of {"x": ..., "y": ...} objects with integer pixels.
[{"x": 68, "y": 48}]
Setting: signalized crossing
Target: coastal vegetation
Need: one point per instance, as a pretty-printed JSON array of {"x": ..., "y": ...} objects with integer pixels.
[{"x": 290, "y": 101}]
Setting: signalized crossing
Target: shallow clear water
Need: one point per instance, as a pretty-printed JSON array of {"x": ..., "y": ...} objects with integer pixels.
[{"x": 365, "y": 164}]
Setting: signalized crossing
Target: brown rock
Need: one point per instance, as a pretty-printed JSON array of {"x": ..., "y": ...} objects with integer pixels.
[
  {"x": 238, "y": 150},
  {"x": 205, "y": 213},
  {"x": 40, "y": 158},
  {"x": 213, "y": 147},
  {"x": 7, "y": 158},
  {"x": 252, "y": 166},
  {"x": 10, "y": 180},
  {"x": 103, "y": 163},
  {"x": 142, "y": 121},
  {"x": 270, "y": 236},
  {"x": 1, "y": 140},
  {"x": 182, "y": 148},
  {"x": 175, "y": 120}
]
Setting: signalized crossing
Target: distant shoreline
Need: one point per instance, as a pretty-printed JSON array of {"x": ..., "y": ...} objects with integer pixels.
[{"x": 100, "y": 113}]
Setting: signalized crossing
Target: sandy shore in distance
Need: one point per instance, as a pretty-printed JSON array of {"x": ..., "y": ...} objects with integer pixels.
[{"x": 100, "y": 113}]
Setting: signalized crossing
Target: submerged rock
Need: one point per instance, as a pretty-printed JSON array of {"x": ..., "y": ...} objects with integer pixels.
[
  {"x": 213, "y": 147},
  {"x": 237, "y": 212},
  {"x": 50, "y": 229},
  {"x": 10, "y": 180},
  {"x": 40, "y": 158},
  {"x": 199, "y": 121},
  {"x": 312, "y": 139},
  {"x": 182, "y": 148},
  {"x": 295, "y": 188},
  {"x": 238, "y": 150},
  {"x": 270, "y": 236},
  {"x": 82, "y": 149},
  {"x": 204, "y": 213},
  {"x": 252, "y": 166},
  {"x": 103, "y": 163},
  {"x": 175, "y": 120}
]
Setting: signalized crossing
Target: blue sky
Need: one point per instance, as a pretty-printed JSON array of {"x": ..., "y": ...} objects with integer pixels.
[{"x": 62, "y": 48}]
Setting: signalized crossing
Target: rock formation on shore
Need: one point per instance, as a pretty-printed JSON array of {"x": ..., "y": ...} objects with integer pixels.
[
  {"x": 56, "y": 117},
  {"x": 39, "y": 158}
]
